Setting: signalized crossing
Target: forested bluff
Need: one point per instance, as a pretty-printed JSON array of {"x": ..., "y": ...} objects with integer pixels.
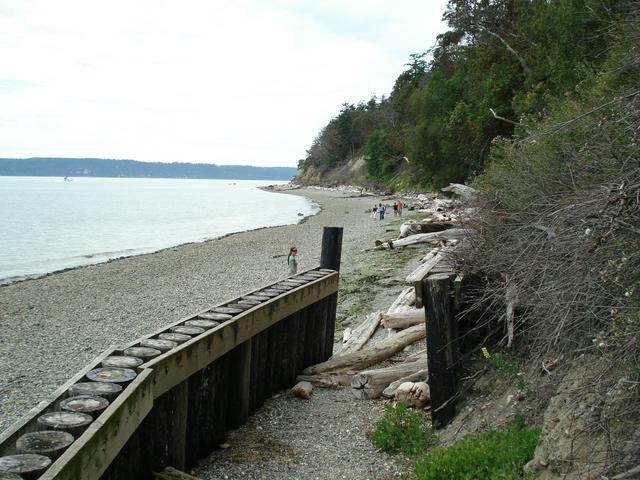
[{"x": 536, "y": 104}]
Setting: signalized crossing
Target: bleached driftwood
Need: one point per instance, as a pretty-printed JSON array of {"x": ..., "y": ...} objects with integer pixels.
[
  {"x": 419, "y": 376},
  {"x": 404, "y": 301},
  {"x": 302, "y": 389},
  {"x": 346, "y": 334},
  {"x": 371, "y": 354},
  {"x": 370, "y": 383},
  {"x": 419, "y": 273},
  {"x": 170, "y": 473},
  {"x": 400, "y": 320},
  {"x": 361, "y": 334},
  {"x": 419, "y": 355},
  {"x": 464, "y": 191},
  {"x": 425, "y": 226},
  {"x": 451, "y": 234},
  {"x": 328, "y": 380},
  {"x": 415, "y": 395}
]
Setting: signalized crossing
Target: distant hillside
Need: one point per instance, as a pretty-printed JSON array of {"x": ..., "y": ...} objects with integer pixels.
[{"x": 96, "y": 167}]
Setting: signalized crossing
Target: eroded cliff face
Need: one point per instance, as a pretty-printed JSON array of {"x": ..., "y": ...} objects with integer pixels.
[{"x": 351, "y": 173}]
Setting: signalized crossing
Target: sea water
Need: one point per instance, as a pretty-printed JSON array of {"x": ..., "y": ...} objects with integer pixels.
[{"x": 49, "y": 223}]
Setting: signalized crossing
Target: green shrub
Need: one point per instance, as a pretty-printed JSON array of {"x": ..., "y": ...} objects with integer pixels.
[
  {"x": 510, "y": 367},
  {"x": 402, "y": 430},
  {"x": 498, "y": 454}
]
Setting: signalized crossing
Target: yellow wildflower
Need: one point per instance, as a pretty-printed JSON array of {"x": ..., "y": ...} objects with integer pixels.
[{"x": 485, "y": 352}]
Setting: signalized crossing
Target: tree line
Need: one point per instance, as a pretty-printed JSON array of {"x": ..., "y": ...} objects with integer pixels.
[{"x": 501, "y": 65}]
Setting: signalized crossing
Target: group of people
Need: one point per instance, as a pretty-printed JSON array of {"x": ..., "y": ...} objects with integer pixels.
[{"x": 378, "y": 211}]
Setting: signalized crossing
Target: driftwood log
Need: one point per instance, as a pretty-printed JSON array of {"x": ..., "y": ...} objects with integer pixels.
[
  {"x": 171, "y": 473},
  {"x": 425, "y": 226},
  {"x": 302, "y": 389},
  {"x": 414, "y": 395},
  {"x": 401, "y": 320},
  {"x": 419, "y": 376},
  {"x": 328, "y": 380},
  {"x": 436, "y": 255},
  {"x": 446, "y": 235},
  {"x": 404, "y": 301},
  {"x": 361, "y": 334},
  {"x": 371, "y": 354},
  {"x": 466, "y": 192},
  {"x": 371, "y": 383}
]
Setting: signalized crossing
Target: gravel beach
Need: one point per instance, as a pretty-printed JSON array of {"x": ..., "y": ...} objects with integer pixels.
[{"x": 52, "y": 326}]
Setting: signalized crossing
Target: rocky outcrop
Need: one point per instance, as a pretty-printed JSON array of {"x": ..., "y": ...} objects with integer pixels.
[
  {"x": 584, "y": 425},
  {"x": 350, "y": 173}
]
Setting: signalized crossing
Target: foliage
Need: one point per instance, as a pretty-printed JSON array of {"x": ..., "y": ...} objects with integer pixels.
[
  {"x": 497, "y": 454},
  {"x": 510, "y": 367},
  {"x": 402, "y": 430},
  {"x": 513, "y": 58},
  {"x": 559, "y": 216}
]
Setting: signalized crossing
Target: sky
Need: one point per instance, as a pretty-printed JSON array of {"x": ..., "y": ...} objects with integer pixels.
[{"x": 243, "y": 82}]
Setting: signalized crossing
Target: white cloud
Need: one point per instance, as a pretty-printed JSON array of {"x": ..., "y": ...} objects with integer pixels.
[{"x": 243, "y": 82}]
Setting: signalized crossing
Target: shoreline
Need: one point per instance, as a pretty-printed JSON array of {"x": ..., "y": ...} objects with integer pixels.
[
  {"x": 56, "y": 323},
  {"x": 18, "y": 279}
]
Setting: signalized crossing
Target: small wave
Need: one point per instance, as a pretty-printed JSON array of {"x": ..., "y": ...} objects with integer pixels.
[{"x": 111, "y": 254}]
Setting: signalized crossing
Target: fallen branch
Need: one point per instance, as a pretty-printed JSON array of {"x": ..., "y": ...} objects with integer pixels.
[
  {"x": 370, "y": 355},
  {"x": 413, "y": 394}
]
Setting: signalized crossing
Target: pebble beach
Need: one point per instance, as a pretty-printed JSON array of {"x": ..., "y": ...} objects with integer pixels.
[{"x": 53, "y": 325}]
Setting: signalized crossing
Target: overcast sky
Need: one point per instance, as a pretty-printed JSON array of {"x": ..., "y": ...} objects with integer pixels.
[{"x": 234, "y": 82}]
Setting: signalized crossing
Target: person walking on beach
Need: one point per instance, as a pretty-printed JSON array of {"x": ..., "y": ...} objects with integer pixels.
[
  {"x": 374, "y": 213},
  {"x": 400, "y": 206},
  {"x": 293, "y": 260},
  {"x": 381, "y": 210},
  {"x": 395, "y": 209}
]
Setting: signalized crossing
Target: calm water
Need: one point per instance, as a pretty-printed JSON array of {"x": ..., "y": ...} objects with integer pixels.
[{"x": 47, "y": 224}]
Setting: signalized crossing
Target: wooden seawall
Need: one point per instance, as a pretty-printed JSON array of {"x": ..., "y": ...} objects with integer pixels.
[{"x": 198, "y": 377}]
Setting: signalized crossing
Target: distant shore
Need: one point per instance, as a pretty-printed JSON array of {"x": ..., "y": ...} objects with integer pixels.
[{"x": 53, "y": 325}]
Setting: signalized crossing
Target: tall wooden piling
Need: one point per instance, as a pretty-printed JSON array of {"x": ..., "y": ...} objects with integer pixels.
[
  {"x": 239, "y": 387},
  {"x": 331, "y": 248},
  {"x": 441, "y": 351}
]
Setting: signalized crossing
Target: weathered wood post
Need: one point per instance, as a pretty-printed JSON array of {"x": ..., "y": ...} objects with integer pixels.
[
  {"x": 240, "y": 385},
  {"x": 441, "y": 350},
  {"x": 331, "y": 248},
  {"x": 330, "y": 257}
]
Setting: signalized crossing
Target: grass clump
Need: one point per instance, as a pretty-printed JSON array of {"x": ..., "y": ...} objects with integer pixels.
[
  {"x": 509, "y": 367},
  {"x": 402, "y": 430},
  {"x": 497, "y": 454}
]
